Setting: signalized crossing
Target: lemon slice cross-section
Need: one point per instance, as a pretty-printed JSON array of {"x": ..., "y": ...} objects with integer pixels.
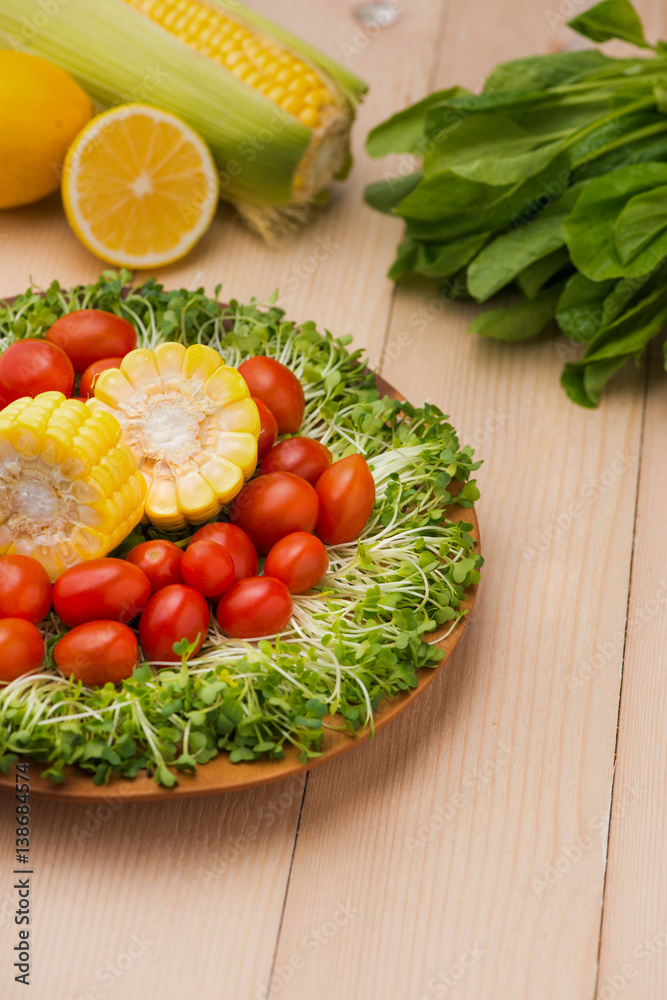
[{"x": 140, "y": 187}]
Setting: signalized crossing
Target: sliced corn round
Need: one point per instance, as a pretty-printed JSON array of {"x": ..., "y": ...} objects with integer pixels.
[
  {"x": 190, "y": 424},
  {"x": 69, "y": 488}
]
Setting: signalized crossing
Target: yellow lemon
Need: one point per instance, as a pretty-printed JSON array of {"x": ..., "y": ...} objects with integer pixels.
[
  {"x": 41, "y": 110},
  {"x": 139, "y": 186}
]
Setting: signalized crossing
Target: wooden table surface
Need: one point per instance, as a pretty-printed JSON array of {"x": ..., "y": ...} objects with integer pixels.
[{"x": 505, "y": 838}]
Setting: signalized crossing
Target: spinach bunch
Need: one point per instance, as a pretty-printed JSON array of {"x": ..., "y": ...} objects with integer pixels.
[{"x": 552, "y": 181}]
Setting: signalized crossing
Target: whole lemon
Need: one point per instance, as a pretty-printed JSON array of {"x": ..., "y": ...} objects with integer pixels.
[{"x": 41, "y": 110}]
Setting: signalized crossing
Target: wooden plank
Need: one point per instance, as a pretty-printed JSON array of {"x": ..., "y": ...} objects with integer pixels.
[
  {"x": 134, "y": 900},
  {"x": 469, "y": 840},
  {"x": 633, "y": 955},
  {"x": 141, "y": 872}
]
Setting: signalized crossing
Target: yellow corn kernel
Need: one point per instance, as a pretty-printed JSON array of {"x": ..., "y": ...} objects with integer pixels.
[
  {"x": 69, "y": 490},
  {"x": 309, "y": 116}
]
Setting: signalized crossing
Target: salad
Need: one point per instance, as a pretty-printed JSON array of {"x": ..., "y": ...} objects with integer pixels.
[{"x": 218, "y": 537}]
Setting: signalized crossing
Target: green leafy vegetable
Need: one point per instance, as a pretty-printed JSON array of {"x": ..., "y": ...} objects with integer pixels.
[
  {"x": 611, "y": 19},
  {"x": 551, "y": 182}
]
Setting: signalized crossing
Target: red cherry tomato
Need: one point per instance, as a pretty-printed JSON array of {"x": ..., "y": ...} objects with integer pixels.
[
  {"x": 92, "y": 334},
  {"x": 269, "y": 432},
  {"x": 272, "y": 506},
  {"x": 21, "y": 648},
  {"x": 346, "y": 493},
  {"x": 208, "y": 568},
  {"x": 237, "y": 543},
  {"x": 301, "y": 456},
  {"x": 93, "y": 372},
  {"x": 25, "y": 589},
  {"x": 97, "y": 652},
  {"x": 299, "y": 561},
  {"x": 160, "y": 560},
  {"x": 257, "y": 606},
  {"x": 279, "y": 388},
  {"x": 112, "y": 589},
  {"x": 29, "y": 367},
  {"x": 174, "y": 613}
]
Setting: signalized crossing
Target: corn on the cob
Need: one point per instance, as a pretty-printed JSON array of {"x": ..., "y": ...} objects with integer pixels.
[
  {"x": 191, "y": 425},
  {"x": 260, "y": 62},
  {"x": 69, "y": 489},
  {"x": 275, "y": 112}
]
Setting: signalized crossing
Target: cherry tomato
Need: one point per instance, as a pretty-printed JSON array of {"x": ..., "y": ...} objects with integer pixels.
[
  {"x": 299, "y": 561},
  {"x": 269, "y": 432},
  {"x": 301, "y": 456},
  {"x": 208, "y": 568},
  {"x": 93, "y": 372},
  {"x": 92, "y": 334},
  {"x": 25, "y": 589},
  {"x": 257, "y": 606},
  {"x": 174, "y": 613},
  {"x": 237, "y": 543},
  {"x": 30, "y": 366},
  {"x": 21, "y": 648},
  {"x": 160, "y": 560},
  {"x": 97, "y": 652},
  {"x": 112, "y": 589},
  {"x": 272, "y": 506},
  {"x": 346, "y": 493},
  {"x": 279, "y": 388}
]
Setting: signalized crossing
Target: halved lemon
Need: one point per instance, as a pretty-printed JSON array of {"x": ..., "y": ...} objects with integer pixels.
[{"x": 140, "y": 187}]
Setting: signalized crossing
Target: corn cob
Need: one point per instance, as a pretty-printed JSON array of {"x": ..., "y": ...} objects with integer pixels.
[
  {"x": 259, "y": 62},
  {"x": 191, "y": 425},
  {"x": 275, "y": 112},
  {"x": 69, "y": 490}
]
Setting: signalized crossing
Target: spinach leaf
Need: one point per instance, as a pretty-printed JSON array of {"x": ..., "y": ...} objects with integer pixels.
[
  {"x": 635, "y": 149},
  {"x": 507, "y": 256},
  {"x": 404, "y": 132},
  {"x": 385, "y": 196},
  {"x": 631, "y": 332},
  {"x": 450, "y": 207},
  {"x": 611, "y": 19},
  {"x": 641, "y": 224},
  {"x": 584, "y": 383},
  {"x": 522, "y": 321},
  {"x": 589, "y": 229},
  {"x": 434, "y": 259},
  {"x": 580, "y": 312},
  {"x": 536, "y": 275},
  {"x": 540, "y": 72}
]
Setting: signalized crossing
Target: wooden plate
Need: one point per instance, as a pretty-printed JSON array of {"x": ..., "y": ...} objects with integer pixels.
[{"x": 219, "y": 775}]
